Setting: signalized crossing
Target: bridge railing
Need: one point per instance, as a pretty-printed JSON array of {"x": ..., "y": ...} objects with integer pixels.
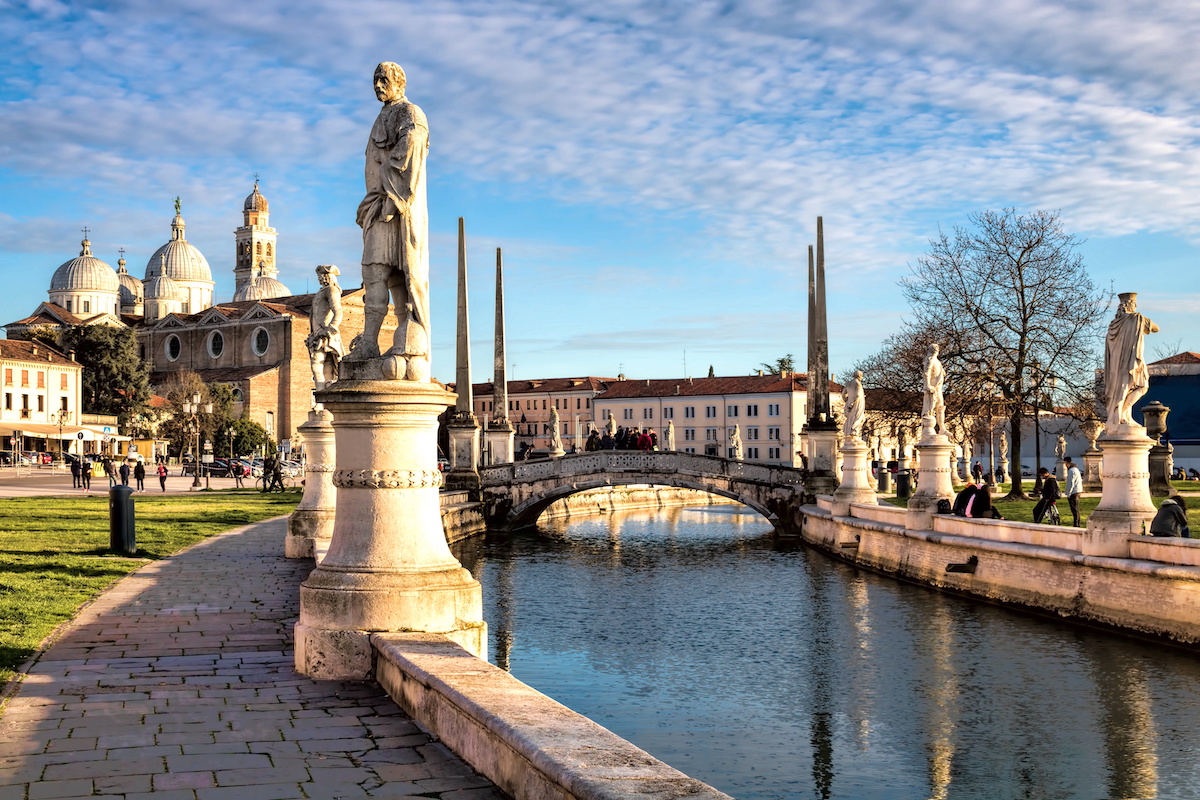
[{"x": 661, "y": 462}]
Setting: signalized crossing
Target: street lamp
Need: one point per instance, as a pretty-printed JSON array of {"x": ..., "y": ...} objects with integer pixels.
[
  {"x": 193, "y": 410},
  {"x": 61, "y": 417}
]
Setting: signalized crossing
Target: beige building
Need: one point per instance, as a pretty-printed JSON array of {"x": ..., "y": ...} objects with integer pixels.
[
  {"x": 42, "y": 388},
  {"x": 530, "y": 402}
]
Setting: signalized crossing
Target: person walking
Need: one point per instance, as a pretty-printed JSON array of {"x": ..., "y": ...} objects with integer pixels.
[
  {"x": 75, "y": 469},
  {"x": 124, "y": 473},
  {"x": 85, "y": 474},
  {"x": 139, "y": 475},
  {"x": 1074, "y": 488},
  {"x": 1049, "y": 493},
  {"x": 162, "y": 475},
  {"x": 977, "y": 472},
  {"x": 109, "y": 471},
  {"x": 236, "y": 471}
]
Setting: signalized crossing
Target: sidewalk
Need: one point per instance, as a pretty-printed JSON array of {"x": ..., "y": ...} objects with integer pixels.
[
  {"x": 46, "y": 481},
  {"x": 177, "y": 684}
]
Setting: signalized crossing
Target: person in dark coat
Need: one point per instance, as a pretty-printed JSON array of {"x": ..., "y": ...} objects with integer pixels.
[
  {"x": 109, "y": 472},
  {"x": 76, "y": 481},
  {"x": 964, "y": 501},
  {"x": 124, "y": 473},
  {"x": 983, "y": 508},
  {"x": 85, "y": 474},
  {"x": 139, "y": 475},
  {"x": 1049, "y": 493},
  {"x": 1171, "y": 519}
]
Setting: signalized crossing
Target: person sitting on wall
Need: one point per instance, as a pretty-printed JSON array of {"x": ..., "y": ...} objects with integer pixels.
[
  {"x": 982, "y": 507},
  {"x": 1171, "y": 519},
  {"x": 964, "y": 501}
]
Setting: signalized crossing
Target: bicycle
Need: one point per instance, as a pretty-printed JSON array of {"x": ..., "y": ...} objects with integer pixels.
[
  {"x": 286, "y": 483},
  {"x": 1052, "y": 517}
]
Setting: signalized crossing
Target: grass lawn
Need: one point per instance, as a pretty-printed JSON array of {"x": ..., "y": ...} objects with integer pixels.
[
  {"x": 1022, "y": 510},
  {"x": 54, "y": 554}
]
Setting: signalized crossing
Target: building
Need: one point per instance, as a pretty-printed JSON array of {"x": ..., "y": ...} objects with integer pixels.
[
  {"x": 768, "y": 410},
  {"x": 529, "y": 404},
  {"x": 42, "y": 391}
]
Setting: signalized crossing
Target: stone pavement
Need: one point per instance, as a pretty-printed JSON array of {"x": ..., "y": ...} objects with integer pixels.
[{"x": 178, "y": 684}]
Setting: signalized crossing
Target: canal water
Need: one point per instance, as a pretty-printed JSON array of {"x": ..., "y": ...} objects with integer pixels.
[{"x": 776, "y": 672}]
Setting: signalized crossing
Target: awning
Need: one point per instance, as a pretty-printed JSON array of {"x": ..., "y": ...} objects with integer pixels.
[{"x": 43, "y": 430}]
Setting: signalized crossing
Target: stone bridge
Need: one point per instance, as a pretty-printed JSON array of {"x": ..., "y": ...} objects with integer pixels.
[{"x": 514, "y": 495}]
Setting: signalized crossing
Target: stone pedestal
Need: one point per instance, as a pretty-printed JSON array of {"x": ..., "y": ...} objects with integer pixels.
[
  {"x": 933, "y": 480},
  {"x": 1161, "y": 460},
  {"x": 1125, "y": 506},
  {"x": 856, "y": 478},
  {"x": 964, "y": 469},
  {"x": 463, "y": 470},
  {"x": 388, "y": 567},
  {"x": 313, "y": 518},
  {"x": 499, "y": 439},
  {"x": 1060, "y": 471},
  {"x": 1003, "y": 467},
  {"x": 1091, "y": 470},
  {"x": 822, "y": 457}
]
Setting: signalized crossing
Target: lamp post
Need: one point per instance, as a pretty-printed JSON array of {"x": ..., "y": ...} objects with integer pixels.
[
  {"x": 61, "y": 416},
  {"x": 193, "y": 409}
]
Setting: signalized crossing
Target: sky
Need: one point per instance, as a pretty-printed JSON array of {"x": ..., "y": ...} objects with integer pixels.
[{"x": 652, "y": 169}]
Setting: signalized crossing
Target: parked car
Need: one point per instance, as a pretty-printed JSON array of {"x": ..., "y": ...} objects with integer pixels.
[{"x": 1026, "y": 471}]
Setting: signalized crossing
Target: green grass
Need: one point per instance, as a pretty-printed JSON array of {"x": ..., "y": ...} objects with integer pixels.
[
  {"x": 1022, "y": 510},
  {"x": 54, "y": 554}
]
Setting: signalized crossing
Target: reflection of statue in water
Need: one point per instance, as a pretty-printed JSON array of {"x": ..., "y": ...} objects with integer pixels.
[
  {"x": 395, "y": 221},
  {"x": 854, "y": 408},
  {"x": 1126, "y": 378},
  {"x": 932, "y": 403},
  {"x": 610, "y": 425},
  {"x": 735, "y": 443},
  {"x": 324, "y": 341},
  {"x": 669, "y": 436},
  {"x": 555, "y": 436}
]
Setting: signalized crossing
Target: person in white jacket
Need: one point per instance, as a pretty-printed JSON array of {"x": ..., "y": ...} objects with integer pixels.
[{"x": 1074, "y": 487}]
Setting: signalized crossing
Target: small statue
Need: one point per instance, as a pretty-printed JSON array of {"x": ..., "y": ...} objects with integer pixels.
[
  {"x": 324, "y": 340},
  {"x": 610, "y": 425},
  {"x": 555, "y": 436},
  {"x": 854, "y": 409},
  {"x": 669, "y": 436},
  {"x": 1003, "y": 446},
  {"x": 1126, "y": 378},
  {"x": 735, "y": 443},
  {"x": 1060, "y": 447},
  {"x": 933, "y": 406}
]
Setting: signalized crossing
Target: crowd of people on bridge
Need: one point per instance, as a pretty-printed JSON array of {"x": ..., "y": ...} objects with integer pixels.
[{"x": 644, "y": 439}]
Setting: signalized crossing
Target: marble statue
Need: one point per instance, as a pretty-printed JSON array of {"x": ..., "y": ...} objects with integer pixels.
[
  {"x": 669, "y": 436},
  {"x": 932, "y": 403},
  {"x": 555, "y": 434},
  {"x": 1003, "y": 446},
  {"x": 394, "y": 218},
  {"x": 1126, "y": 378},
  {"x": 854, "y": 409},
  {"x": 1060, "y": 447},
  {"x": 610, "y": 425},
  {"x": 1092, "y": 429},
  {"x": 735, "y": 442},
  {"x": 324, "y": 340}
]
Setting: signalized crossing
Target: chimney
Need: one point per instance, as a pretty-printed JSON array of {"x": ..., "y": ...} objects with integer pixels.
[
  {"x": 677, "y": 388},
  {"x": 35, "y": 352}
]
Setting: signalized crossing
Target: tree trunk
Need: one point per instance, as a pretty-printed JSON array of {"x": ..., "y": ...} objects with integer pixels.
[{"x": 1017, "y": 490}]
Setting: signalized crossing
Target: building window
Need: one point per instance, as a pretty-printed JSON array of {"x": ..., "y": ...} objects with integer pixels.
[
  {"x": 41, "y": 379},
  {"x": 773, "y": 409},
  {"x": 216, "y": 344},
  {"x": 752, "y": 409},
  {"x": 689, "y": 411},
  {"x": 261, "y": 341},
  {"x": 751, "y": 433},
  {"x": 173, "y": 347},
  {"x": 689, "y": 449},
  {"x": 773, "y": 453},
  {"x": 41, "y": 404},
  {"x": 669, "y": 412},
  {"x": 8, "y": 401},
  {"x": 751, "y": 452},
  {"x": 710, "y": 411},
  {"x": 63, "y": 381},
  {"x": 8, "y": 377},
  {"x": 689, "y": 434},
  {"x": 578, "y": 403},
  {"x": 629, "y": 413},
  {"x": 647, "y": 413},
  {"x": 63, "y": 404},
  {"x": 731, "y": 411},
  {"x": 237, "y": 395},
  {"x": 773, "y": 432},
  {"x": 270, "y": 426},
  {"x": 24, "y": 377},
  {"x": 87, "y": 306},
  {"x": 69, "y": 307},
  {"x": 710, "y": 434}
]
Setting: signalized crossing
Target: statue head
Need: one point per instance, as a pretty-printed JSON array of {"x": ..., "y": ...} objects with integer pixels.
[
  {"x": 327, "y": 274},
  {"x": 1127, "y": 302},
  {"x": 390, "y": 82},
  {"x": 933, "y": 349}
]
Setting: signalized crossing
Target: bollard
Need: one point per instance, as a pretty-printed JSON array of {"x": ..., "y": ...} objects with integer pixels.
[
  {"x": 885, "y": 480},
  {"x": 903, "y": 484},
  {"x": 122, "y": 536}
]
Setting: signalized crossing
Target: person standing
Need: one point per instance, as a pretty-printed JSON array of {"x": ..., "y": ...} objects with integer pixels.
[
  {"x": 162, "y": 475},
  {"x": 977, "y": 472},
  {"x": 109, "y": 471},
  {"x": 1049, "y": 493},
  {"x": 1074, "y": 488},
  {"x": 75, "y": 469},
  {"x": 85, "y": 474},
  {"x": 236, "y": 471},
  {"x": 124, "y": 473},
  {"x": 139, "y": 475}
]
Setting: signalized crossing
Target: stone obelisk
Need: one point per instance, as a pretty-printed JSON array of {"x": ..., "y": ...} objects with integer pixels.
[
  {"x": 388, "y": 567},
  {"x": 463, "y": 428},
  {"x": 822, "y": 429},
  {"x": 500, "y": 432}
]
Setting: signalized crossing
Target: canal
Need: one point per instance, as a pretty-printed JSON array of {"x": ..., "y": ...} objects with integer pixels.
[{"x": 773, "y": 671}]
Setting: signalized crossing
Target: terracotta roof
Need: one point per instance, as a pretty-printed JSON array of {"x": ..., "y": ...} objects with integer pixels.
[
  {"x": 20, "y": 350},
  {"x": 158, "y": 401},
  {"x": 547, "y": 385},
  {"x": 1181, "y": 358},
  {"x": 57, "y": 315},
  {"x": 217, "y": 375},
  {"x": 694, "y": 387}
]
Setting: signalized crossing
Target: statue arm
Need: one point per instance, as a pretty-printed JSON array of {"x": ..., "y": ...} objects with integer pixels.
[{"x": 404, "y": 167}]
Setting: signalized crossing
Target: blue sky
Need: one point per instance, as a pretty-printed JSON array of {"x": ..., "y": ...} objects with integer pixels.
[{"x": 652, "y": 169}]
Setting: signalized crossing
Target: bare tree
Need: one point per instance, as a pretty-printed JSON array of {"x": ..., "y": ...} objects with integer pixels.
[{"x": 1018, "y": 318}]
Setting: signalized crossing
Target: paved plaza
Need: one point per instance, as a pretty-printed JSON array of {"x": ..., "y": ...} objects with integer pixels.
[
  {"x": 178, "y": 684},
  {"x": 42, "y": 481}
]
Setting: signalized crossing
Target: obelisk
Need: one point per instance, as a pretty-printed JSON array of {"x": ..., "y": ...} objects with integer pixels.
[
  {"x": 463, "y": 427},
  {"x": 500, "y": 431},
  {"x": 822, "y": 429}
]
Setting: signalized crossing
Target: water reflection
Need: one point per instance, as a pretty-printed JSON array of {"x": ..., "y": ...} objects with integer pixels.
[{"x": 775, "y": 672}]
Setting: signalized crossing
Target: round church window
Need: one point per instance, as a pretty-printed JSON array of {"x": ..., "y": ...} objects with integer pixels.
[
  {"x": 174, "y": 347},
  {"x": 216, "y": 344},
  {"x": 262, "y": 340}
]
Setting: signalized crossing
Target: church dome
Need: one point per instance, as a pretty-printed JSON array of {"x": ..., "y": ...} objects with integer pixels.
[
  {"x": 161, "y": 287},
  {"x": 130, "y": 287},
  {"x": 180, "y": 260},
  {"x": 261, "y": 288},
  {"x": 255, "y": 201},
  {"x": 84, "y": 273}
]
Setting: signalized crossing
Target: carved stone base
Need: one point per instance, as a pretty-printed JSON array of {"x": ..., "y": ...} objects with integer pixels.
[
  {"x": 933, "y": 481},
  {"x": 822, "y": 458},
  {"x": 1125, "y": 507},
  {"x": 306, "y": 527},
  {"x": 313, "y": 518},
  {"x": 388, "y": 567},
  {"x": 499, "y": 440},
  {"x": 856, "y": 479},
  {"x": 1161, "y": 458},
  {"x": 463, "y": 472},
  {"x": 1091, "y": 470}
]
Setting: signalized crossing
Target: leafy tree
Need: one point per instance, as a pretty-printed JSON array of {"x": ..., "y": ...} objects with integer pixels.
[
  {"x": 780, "y": 365},
  {"x": 115, "y": 379},
  {"x": 246, "y": 437},
  {"x": 1016, "y": 314}
]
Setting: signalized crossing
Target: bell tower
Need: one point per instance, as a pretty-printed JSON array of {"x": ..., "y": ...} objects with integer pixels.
[{"x": 255, "y": 240}]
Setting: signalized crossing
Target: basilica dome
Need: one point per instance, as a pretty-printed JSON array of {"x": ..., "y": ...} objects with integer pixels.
[
  {"x": 85, "y": 273},
  {"x": 261, "y": 287},
  {"x": 255, "y": 201},
  {"x": 180, "y": 260},
  {"x": 160, "y": 286},
  {"x": 130, "y": 287}
]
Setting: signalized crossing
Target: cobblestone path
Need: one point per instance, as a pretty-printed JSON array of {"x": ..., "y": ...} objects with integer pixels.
[{"x": 177, "y": 684}]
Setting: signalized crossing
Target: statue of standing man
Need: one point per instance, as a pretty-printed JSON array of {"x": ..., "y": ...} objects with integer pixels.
[
  {"x": 933, "y": 405},
  {"x": 1126, "y": 378},
  {"x": 394, "y": 218},
  {"x": 854, "y": 408},
  {"x": 324, "y": 340}
]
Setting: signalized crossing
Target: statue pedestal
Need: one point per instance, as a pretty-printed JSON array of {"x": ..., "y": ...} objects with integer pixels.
[
  {"x": 1125, "y": 506},
  {"x": 313, "y": 518},
  {"x": 933, "y": 481},
  {"x": 964, "y": 469},
  {"x": 1002, "y": 467},
  {"x": 1060, "y": 471},
  {"x": 822, "y": 457},
  {"x": 1091, "y": 470},
  {"x": 856, "y": 478},
  {"x": 388, "y": 567},
  {"x": 1161, "y": 459},
  {"x": 499, "y": 439},
  {"x": 463, "y": 470}
]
